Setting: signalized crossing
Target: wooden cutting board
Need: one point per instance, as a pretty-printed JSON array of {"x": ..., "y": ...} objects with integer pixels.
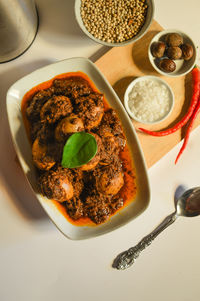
[{"x": 121, "y": 65}]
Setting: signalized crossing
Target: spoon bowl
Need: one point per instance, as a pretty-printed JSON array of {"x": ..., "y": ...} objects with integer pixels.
[{"x": 189, "y": 203}]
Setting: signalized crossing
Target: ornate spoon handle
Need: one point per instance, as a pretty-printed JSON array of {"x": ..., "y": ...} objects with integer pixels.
[{"x": 127, "y": 258}]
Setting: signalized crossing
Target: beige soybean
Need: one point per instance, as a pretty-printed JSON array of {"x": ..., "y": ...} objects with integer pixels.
[{"x": 116, "y": 20}]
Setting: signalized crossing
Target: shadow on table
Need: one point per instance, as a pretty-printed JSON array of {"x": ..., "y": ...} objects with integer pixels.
[
  {"x": 11, "y": 174},
  {"x": 121, "y": 85},
  {"x": 57, "y": 19},
  {"x": 57, "y": 25},
  {"x": 140, "y": 53}
]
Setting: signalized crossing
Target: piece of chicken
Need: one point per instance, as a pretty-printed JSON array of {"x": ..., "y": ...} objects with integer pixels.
[
  {"x": 99, "y": 207},
  {"x": 61, "y": 184},
  {"x": 74, "y": 208},
  {"x": 111, "y": 120},
  {"x": 56, "y": 185},
  {"x": 110, "y": 146},
  {"x": 73, "y": 87},
  {"x": 67, "y": 126},
  {"x": 55, "y": 108},
  {"x": 36, "y": 103},
  {"x": 111, "y": 124},
  {"x": 96, "y": 208},
  {"x": 90, "y": 109}
]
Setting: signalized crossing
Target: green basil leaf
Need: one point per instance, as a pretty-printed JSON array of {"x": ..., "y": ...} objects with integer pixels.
[{"x": 79, "y": 149}]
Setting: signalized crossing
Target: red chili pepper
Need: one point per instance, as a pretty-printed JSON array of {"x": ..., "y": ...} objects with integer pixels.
[
  {"x": 188, "y": 131},
  {"x": 184, "y": 120}
]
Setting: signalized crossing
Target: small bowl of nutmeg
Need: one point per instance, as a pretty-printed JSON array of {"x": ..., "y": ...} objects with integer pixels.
[{"x": 172, "y": 53}]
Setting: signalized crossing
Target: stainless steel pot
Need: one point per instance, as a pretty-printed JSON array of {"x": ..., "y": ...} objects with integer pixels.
[{"x": 18, "y": 27}]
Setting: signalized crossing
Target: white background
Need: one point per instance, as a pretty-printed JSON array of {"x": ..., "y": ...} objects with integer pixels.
[{"x": 36, "y": 261}]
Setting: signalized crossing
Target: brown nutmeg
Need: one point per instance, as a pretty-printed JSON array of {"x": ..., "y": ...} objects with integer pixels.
[
  {"x": 187, "y": 51},
  {"x": 167, "y": 65},
  {"x": 174, "y": 52},
  {"x": 173, "y": 39},
  {"x": 158, "y": 49}
]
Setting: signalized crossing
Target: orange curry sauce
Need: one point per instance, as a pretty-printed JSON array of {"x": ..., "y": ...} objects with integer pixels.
[{"x": 128, "y": 191}]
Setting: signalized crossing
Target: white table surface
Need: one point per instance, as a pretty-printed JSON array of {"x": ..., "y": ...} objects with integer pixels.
[{"x": 36, "y": 261}]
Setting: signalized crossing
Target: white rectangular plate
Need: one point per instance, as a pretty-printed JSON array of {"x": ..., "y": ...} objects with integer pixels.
[{"x": 14, "y": 97}]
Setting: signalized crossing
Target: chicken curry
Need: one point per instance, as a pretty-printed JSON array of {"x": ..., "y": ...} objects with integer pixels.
[{"x": 52, "y": 112}]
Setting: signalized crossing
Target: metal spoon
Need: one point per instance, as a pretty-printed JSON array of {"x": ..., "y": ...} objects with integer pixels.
[{"x": 188, "y": 204}]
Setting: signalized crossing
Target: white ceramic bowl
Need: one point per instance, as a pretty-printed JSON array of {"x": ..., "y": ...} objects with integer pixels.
[
  {"x": 144, "y": 78},
  {"x": 23, "y": 148},
  {"x": 144, "y": 29},
  {"x": 182, "y": 67}
]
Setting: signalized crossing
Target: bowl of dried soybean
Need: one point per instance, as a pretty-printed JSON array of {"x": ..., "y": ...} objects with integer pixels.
[{"x": 114, "y": 22}]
